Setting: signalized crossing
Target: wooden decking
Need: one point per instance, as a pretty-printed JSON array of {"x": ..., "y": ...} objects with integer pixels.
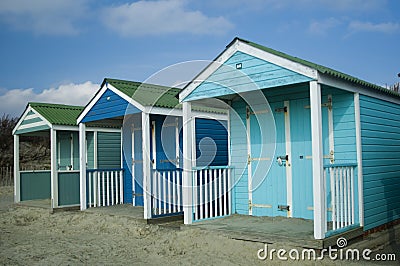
[{"x": 273, "y": 230}]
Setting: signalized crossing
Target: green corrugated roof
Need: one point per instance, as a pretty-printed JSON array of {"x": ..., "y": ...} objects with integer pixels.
[
  {"x": 58, "y": 114},
  {"x": 320, "y": 68},
  {"x": 147, "y": 94}
]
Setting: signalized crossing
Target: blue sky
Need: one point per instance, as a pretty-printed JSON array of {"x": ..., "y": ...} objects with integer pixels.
[{"x": 60, "y": 50}]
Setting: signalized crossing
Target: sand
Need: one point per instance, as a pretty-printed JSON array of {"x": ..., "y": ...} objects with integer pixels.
[{"x": 33, "y": 236}]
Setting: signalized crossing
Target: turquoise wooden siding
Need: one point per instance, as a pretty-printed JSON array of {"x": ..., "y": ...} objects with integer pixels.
[
  {"x": 29, "y": 121},
  {"x": 254, "y": 74},
  {"x": 68, "y": 188},
  {"x": 35, "y": 185},
  {"x": 108, "y": 150},
  {"x": 110, "y": 105},
  {"x": 32, "y": 129},
  {"x": 343, "y": 123},
  {"x": 380, "y": 127},
  {"x": 75, "y": 151}
]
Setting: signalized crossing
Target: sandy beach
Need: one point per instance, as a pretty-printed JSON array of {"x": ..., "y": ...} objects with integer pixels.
[{"x": 34, "y": 236}]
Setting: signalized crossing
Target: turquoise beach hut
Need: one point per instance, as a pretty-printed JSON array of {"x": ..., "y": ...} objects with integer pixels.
[{"x": 305, "y": 141}]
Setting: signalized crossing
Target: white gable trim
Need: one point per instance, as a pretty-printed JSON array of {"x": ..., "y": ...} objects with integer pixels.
[
  {"x": 25, "y": 114},
  {"x": 90, "y": 105},
  {"x": 103, "y": 89},
  {"x": 127, "y": 98},
  {"x": 211, "y": 68},
  {"x": 241, "y": 46},
  {"x": 277, "y": 60}
]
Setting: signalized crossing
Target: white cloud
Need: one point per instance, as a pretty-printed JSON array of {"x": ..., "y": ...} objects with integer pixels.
[
  {"x": 14, "y": 101},
  {"x": 161, "y": 17},
  {"x": 50, "y": 17},
  {"x": 386, "y": 27},
  {"x": 321, "y": 27}
]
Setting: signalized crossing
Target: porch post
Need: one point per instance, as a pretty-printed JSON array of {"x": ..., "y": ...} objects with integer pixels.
[
  {"x": 317, "y": 161},
  {"x": 187, "y": 182},
  {"x": 359, "y": 158},
  {"x": 82, "y": 165},
  {"x": 17, "y": 187},
  {"x": 54, "y": 170},
  {"x": 146, "y": 165}
]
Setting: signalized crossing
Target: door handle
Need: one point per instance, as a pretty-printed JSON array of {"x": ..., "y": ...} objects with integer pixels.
[{"x": 282, "y": 159}]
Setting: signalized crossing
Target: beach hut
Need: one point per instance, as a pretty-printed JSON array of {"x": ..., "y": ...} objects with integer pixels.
[
  {"x": 306, "y": 141},
  {"x": 60, "y": 183},
  {"x": 150, "y": 119}
]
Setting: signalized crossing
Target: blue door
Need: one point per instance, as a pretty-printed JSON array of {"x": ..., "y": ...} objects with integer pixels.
[
  {"x": 137, "y": 165},
  {"x": 166, "y": 138}
]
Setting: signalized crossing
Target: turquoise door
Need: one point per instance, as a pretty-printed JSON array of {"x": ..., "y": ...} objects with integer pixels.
[
  {"x": 267, "y": 186},
  {"x": 64, "y": 143},
  {"x": 300, "y": 122}
]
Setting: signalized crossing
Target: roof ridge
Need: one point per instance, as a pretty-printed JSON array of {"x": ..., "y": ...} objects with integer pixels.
[
  {"x": 55, "y": 105},
  {"x": 318, "y": 67}
]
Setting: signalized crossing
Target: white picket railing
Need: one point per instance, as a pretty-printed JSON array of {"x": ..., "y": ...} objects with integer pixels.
[
  {"x": 342, "y": 190},
  {"x": 166, "y": 192},
  {"x": 212, "y": 196},
  {"x": 105, "y": 187}
]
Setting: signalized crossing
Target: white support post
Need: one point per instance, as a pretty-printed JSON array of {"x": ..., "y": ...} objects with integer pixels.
[
  {"x": 54, "y": 170},
  {"x": 359, "y": 158},
  {"x": 146, "y": 164},
  {"x": 188, "y": 143},
  {"x": 82, "y": 165},
  {"x": 17, "y": 177},
  {"x": 317, "y": 161}
]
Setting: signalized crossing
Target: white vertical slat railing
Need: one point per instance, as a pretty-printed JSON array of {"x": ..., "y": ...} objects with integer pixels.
[
  {"x": 166, "y": 192},
  {"x": 342, "y": 193},
  {"x": 105, "y": 187},
  {"x": 211, "y": 192}
]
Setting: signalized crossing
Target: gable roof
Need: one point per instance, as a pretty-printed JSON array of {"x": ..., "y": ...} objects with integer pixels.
[
  {"x": 58, "y": 114},
  {"x": 43, "y": 116},
  {"x": 322, "y": 74},
  {"x": 148, "y": 94},
  {"x": 319, "y": 68}
]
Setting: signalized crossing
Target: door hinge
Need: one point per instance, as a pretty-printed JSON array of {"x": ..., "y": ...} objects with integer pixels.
[{"x": 283, "y": 207}]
